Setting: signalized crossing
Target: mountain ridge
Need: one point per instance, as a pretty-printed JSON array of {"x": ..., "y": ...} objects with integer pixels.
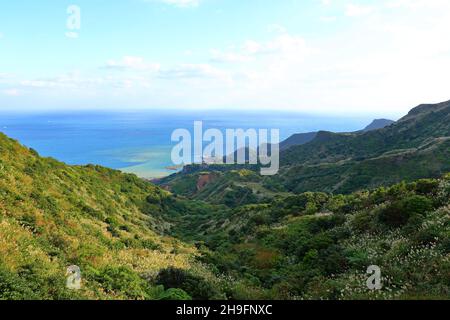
[
  {"x": 303, "y": 138},
  {"x": 378, "y": 124},
  {"x": 346, "y": 162},
  {"x": 248, "y": 238}
]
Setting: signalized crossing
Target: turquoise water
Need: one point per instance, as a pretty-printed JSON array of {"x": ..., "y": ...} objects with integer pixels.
[{"x": 140, "y": 142}]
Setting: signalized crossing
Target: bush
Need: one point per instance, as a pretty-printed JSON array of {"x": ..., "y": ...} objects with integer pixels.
[
  {"x": 398, "y": 213},
  {"x": 426, "y": 186},
  {"x": 362, "y": 222},
  {"x": 175, "y": 294},
  {"x": 239, "y": 196},
  {"x": 417, "y": 205},
  {"x": 195, "y": 286},
  {"x": 333, "y": 260},
  {"x": 154, "y": 198},
  {"x": 12, "y": 287},
  {"x": 123, "y": 280},
  {"x": 31, "y": 282}
]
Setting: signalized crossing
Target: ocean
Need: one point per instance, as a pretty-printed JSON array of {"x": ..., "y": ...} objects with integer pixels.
[{"x": 140, "y": 141}]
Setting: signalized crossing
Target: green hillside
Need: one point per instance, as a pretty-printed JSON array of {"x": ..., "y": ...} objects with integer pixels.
[
  {"x": 422, "y": 126},
  {"x": 107, "y": 223},
  {"x": 341, "y": 203},
  {"x": 318, "y": 246},
  {"x": 415, "y": 147}
]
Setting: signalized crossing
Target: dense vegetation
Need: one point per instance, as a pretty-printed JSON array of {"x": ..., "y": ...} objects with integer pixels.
[
  {"x": 312, "y": 230},
  {"x": 318, "y": 246},
  {"x": 415, "y": 147},
  {"x": 107, "y": 223},
  {"x": 227, "y": 233}
]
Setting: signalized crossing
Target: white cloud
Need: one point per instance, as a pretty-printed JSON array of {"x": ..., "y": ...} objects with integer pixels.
[
  {"x": 392, "y": 59},
  {"x": 418, "y": 4},
  {"x": 11, "y": 92},
  {"x": 253, "y": 60},
  {"x": 192, "y": 71},
  {"x": 228, "y": 57},
  {"x": 282, "y": 44},
  {"x": 353, "y": 10},
  {"x": 77, "y": 81},
  {"x": 325, "y": 3},
  {"x": 328, "y": 19},
  {"x": 132, "y": 63},
  {"x": 66, "y": 81}
]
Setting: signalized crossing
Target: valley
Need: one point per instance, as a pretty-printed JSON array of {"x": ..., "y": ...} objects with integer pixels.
[{"x": 341, "y": 203}]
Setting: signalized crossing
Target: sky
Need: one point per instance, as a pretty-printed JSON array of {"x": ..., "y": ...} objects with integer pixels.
[{"x": 319, "y": 56}]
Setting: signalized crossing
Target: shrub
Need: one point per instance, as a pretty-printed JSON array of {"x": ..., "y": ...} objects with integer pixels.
[
  {"x": 12, "y": 287},
  {"x": 175, "y": 294},
  {"x": 259, "y": 219},
  {"x": 333, "y": 260},
  {"x": 398, "y": 213},
  {"x": 31, "y": 282},
  {"x": 123, "y": 280},
  {"x": 195, "y": 286},
  {"x": 426, "y": 186},
  {"x": 154, "y": 198},
  {"x": 417, "y": 205},
  {"x": 239, "y": 196},
  {"x": 361, "y": 222}
]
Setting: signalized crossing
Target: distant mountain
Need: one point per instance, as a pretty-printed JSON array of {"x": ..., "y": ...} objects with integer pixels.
[
  {"x": 422, "y": 123},
  {"x": 297, "y": 140},
  {"x": 378, "y": 124},
  {"x": 264, "y": 236},
  {"x": 303, "y": 138},
  {"x": 299, "y": 225},
  {"x": 417, "y": 146}
]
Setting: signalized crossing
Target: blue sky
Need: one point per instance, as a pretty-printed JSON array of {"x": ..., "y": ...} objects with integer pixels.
[{"x": 341, "y": 56}]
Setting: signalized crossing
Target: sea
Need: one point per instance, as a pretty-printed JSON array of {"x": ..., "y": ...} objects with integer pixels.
[{"x": 139, "y": 142}]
